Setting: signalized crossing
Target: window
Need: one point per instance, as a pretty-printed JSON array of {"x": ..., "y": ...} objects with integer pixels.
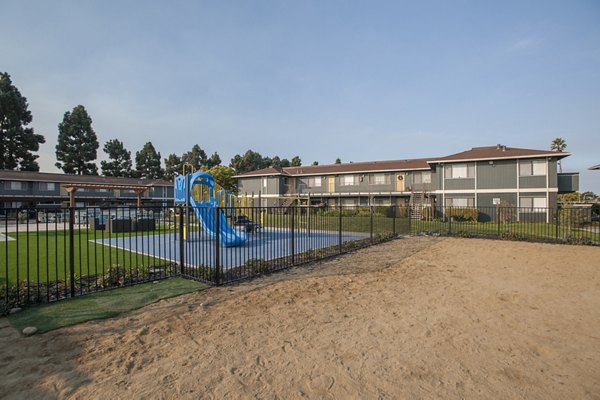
[
  {"x": 422, "y": 177},
  {"x": 102, "y": 190},
  {"x": 314, "y": 182},
  {"x": 460, "y": 171},
  {"x": 285, "y": 180},
  {"x": 17, "y": 185},
  {"x": 533, "y": 204},
  {"x": 264, "y": 183},
  {"x": 47, "y": 186},
  {"x": 348, "y": 180},
  {"x": 379, "y": 179},
  {"x": 532, "y": 168},
  {"x": 460, "y": 202}
]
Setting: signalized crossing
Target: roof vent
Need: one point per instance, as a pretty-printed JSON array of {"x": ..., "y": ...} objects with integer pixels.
[
  {"x": 498, "y": 146},
  {"x": 503, "y": 148}
]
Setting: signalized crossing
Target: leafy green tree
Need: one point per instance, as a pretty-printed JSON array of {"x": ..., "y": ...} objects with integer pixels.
[
  {"x": 77, "y": 143},
  {"x": 223, "y": 176},
  {"x": 296, "y": 162},
  {"x": 173, "y": 166},
  {"x": 250, "y": 161},
  {"x": 559, "y": 145},
  {"x": 147, "y": 163},
  {"x": 276, "y": 162},
  {"x": 213, "y": 161},
  {"x": 196, "y": 158},
  {"x": 17, "y": 142},
  {"x": 120, "y": 159},
  {"x": 285, "y": 163},
  {"x": 338, "y": 161}
]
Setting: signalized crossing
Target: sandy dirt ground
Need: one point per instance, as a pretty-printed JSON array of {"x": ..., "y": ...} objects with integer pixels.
[{"x": 413, "y": 318}]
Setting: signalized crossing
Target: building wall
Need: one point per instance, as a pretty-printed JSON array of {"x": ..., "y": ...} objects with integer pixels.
[{"x": 497, "y": 174}]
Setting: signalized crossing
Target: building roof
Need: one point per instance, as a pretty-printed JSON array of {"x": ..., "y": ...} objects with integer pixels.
[
  {"x": 7, "y": 175},
  {"x": 498, "y": 152},
  {"x": 331, "y": 169},
  {"x": 595, "y": 167}
]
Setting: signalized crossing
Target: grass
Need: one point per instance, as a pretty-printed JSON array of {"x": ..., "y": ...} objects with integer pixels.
[
  {"x": 101, "y": 305},
  {"x": 44, "y": 256}
]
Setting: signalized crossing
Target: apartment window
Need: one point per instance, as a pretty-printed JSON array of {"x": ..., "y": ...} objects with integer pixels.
[
  {"x": 379, "y": 179},
  {"x": 533, "y": 204},
  {"x": 348, "y": 180},
  {"x": 17, "y": 185},
  {"x": 264, "y": 183},
  {"x": 47, "y": 186},
  {"x": 532, "y": 168},
  {"x": 422, "y": 177},
  {"x": 314, "y": 182},
  {"x": 460, "y": 171},
  {"x": 285, "y": 180},
  {"x": 102, "y": 190},
  {"x": 460, "y": 202}
]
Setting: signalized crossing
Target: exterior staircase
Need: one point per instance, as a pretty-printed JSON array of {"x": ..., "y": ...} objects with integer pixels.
[
  {"x": 284, "y": 205},
  {"x": 417, "y": 202}
]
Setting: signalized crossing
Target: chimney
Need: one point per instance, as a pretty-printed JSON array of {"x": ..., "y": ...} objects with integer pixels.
[
  {"x": 498, "y": 146},
  {"x": 503, "y": 148}
]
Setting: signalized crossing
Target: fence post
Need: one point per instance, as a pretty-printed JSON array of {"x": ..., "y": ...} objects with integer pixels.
[
  {"x": 498, "y": 213},
  {"x": 371, "y": 223},
  {"x": 557, "y": 222},
  {"x": 450, "y": 222},
  {"x": 395, "y": 208},
  {"x": 217, "y": 247},
  {"x": 292, "y": 228},
  {"x": 181, "y": 239},
  {"x": 340, "y": 225},
  {"x": 72, "y": 249},
  {"x": 408, "y": 215}
]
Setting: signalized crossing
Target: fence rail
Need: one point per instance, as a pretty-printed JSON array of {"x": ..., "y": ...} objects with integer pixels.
[{"x": 53, "y": 254}]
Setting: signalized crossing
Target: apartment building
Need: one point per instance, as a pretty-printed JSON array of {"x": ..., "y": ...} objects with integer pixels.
[
  {"x": 479, "y": 177},
  {"x": 20, "y": 189}
]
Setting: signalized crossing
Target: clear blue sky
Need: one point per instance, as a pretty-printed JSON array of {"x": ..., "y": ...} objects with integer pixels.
[{"x": 320, "y": 79}]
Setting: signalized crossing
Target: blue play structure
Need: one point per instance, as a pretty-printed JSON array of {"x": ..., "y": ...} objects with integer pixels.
[{"x": 205, "y": 208}]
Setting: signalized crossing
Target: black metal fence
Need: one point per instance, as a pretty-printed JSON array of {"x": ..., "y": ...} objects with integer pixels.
[{"x": 48, "y": 255}]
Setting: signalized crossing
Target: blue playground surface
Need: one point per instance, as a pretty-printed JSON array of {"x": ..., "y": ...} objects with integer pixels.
[{"x": 268, "y": 244}]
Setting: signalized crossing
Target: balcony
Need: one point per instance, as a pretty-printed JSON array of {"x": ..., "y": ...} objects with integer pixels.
[{"x": 568, "y": 182}]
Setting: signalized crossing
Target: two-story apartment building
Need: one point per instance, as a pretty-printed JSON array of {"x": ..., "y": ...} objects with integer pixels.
[
  {"x": 479, "y": 177},
  {"x": 40, "y": 189}
]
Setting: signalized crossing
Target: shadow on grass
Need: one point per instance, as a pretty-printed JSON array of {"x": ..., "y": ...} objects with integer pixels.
[{"x": 101, "y": 305}]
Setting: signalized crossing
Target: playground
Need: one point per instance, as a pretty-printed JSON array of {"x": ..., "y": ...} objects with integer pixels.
[{"x": 420, "y": 317}]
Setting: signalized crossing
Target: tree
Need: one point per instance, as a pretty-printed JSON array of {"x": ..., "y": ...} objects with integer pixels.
[
  {"x": 172, "y": 167},
  {"x": 196, "y": 158},
  {"x": 147, "y": 163},
  {"x": 296, "y": 162},
  {"x": 17, "y": 143},
  {"x": 559, "y": 145},
  {"x": 213, "y": 161},
  {"x": 338, "y": 161},
  {"x": 285, "y": 163},
  {"x": 223, "y": 176},
  {"x": 250, "y": 161},
  {"x": 120, "y": 164},
  {"x": 276, "y": 162},
  {"x": 77, "y": 143}
]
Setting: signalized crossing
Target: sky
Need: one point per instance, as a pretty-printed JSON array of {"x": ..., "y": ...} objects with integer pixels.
[{"x": 358, "y": 80}]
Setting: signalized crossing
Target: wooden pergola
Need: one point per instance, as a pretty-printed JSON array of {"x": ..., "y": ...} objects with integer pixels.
[{"x": 71, "y": 188}]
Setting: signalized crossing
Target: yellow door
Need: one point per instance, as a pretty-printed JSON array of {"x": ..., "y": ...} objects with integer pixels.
[
  {"x": 331, "y": 188},
  {"x": 400, "y": 182}
]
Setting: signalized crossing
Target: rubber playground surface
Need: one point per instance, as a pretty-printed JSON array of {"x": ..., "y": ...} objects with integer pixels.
[{"x": 199, "y": 249}]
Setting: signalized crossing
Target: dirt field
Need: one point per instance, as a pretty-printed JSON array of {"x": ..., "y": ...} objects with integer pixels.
[{"x": 413, "y": 318}]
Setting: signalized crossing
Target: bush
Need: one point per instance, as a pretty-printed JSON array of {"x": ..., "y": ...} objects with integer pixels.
[
  {"x": 462, "y": 214},
  {"x": 258, "y": 266},
  {"x": 572, "y": 217}
]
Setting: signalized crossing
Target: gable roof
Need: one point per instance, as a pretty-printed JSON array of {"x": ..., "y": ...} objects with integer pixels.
[
  {"x": 9, "y": 175},
  {"x": 595, "y": 167},
  {"x": 498, "y": 152},
  {"x": 332, "y": 169}
]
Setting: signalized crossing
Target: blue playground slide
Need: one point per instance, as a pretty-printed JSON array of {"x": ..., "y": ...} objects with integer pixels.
[{"x": 205, "y": 211}]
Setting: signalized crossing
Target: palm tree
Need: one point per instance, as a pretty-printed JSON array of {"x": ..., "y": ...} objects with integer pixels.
[{"x": 559, "y": 145}]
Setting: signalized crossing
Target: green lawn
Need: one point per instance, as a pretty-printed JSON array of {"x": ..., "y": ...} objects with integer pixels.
[
  {"x": 101, "y": 305},
  {"x": 44, "y": 256}
]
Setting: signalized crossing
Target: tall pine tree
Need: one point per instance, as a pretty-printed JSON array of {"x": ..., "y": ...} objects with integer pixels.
[
  {"x": 120, "y": 159},
  {"x": 77, "y": 145},
  {"x": 172, "y": 166},
  {"x": 17, "y": 143},
  {"x": 147, "y": 163}
]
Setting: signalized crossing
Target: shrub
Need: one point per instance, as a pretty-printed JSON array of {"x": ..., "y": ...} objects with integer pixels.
[
  {"x": 258, "y": 266},
  {"x": 428, "y": 214},
  {"x": 462, "y": 214},
  {"x": 572, "y": 217}
]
